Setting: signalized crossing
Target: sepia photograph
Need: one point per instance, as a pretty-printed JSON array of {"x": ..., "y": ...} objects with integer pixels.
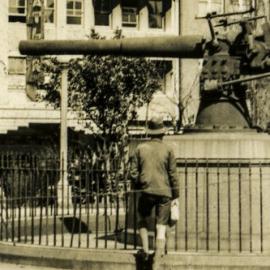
[{"x": 134, "y": 134}]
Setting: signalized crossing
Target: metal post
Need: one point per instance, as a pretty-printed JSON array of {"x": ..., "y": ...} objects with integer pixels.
[{"x": 63, "y": 186}]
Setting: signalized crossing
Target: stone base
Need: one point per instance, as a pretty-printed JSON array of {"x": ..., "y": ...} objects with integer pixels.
[{"x": 224, "y": 192}]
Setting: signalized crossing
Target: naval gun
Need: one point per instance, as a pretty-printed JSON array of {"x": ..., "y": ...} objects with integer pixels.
[{"x": 228, "y": 62}]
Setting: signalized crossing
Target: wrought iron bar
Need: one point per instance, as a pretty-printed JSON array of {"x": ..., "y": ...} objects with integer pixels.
[
  {"x": 186, "y": 206},
  {"x": 87, "y": 197},
  {"x": 207, "y": 206},
  {"x": 48, "y": 199},
  {"x": 97, "y": 206},
  {"x": 250, "y": 208},
  {"x": 218, "y": 208},
  {"x": 19, "y": 200},
  {"x": 229, "y": 208},
  {"x": 197, "y": 206},
  {"x": 240, "y": 206},
  {"x": 261, "y": 210}
]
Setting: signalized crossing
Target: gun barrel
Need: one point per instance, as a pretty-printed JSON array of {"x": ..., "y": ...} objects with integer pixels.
[
  {"x": 247, "y": 79},
  {"x": 211, "y": 85},
  {"x": 190, "y": 46}
]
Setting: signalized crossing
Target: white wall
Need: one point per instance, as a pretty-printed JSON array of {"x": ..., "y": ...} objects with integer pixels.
[{"x": 3, "y": 51}]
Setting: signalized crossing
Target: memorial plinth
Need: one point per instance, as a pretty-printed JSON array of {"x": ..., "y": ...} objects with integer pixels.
[{"x": 224, "y": 192}]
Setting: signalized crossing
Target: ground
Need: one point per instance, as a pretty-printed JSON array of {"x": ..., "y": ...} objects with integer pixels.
[{"x": 9, "y": 266}]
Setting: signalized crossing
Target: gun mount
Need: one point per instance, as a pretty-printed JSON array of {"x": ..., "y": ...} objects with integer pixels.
[{"x": 227, "y": 63}]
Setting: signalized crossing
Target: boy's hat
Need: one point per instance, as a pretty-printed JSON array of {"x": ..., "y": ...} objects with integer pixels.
[{"x": 155, "y": 126}]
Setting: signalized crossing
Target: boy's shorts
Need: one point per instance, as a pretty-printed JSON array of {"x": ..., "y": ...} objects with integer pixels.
[{"x": 163, "y": 207}]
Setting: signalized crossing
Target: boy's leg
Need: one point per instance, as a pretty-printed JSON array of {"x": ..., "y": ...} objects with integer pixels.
[
  {"x": 145, "y": 206},
  {"x": 160, "y": 239},
  {"x": 163, "y": 213},
  {"x": 144, "y": 238}
]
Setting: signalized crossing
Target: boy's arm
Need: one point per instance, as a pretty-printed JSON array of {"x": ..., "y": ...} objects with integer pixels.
[
  {"x": 173, "y": 175},
  {"x": 134, "y": 167}
]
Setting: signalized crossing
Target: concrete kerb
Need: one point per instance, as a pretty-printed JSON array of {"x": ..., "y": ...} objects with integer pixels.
[
  {"x": 67, "y": 258},
  {"x": 99, "y": 259}
]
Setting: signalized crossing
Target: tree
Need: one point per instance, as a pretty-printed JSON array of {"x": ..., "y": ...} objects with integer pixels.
[{"x": 105, "y": 92}]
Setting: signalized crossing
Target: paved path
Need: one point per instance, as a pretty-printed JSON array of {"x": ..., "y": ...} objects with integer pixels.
[{"x": 9, "y": 266}]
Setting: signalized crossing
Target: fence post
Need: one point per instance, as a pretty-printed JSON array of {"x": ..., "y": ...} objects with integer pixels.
[{"x": 63, "y": 188}]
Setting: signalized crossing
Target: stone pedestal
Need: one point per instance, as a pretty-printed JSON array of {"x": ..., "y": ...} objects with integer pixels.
[{"x": 224, "y": 192}]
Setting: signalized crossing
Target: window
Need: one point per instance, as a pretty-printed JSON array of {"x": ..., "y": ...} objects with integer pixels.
[
  {"x": 164, "y": 68},
  {"x": 129, "y": 13},
  {"x": 16, "y": 65},
  {"x": 17, "y": 10},
  {"x": 155, "y": 13},
  {"x": 103, "y": 9},
  {"x": 208, "y": 6},
  {"x": 49, "y": 11},
  {"x": 74, "y": 11},
  {"x": 245, "y": 4},
  {"x": 203, "y": 8},
  {"x": 217, "y": 6}
]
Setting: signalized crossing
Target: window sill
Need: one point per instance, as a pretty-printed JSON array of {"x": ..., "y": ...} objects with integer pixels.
[
  {"x": 103, "y": 27},
  {"x": 49, "y": 25},
  {"x": 74, "y": 25}
]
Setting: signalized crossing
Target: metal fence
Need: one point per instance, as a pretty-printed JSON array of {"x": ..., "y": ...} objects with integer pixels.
[{"x": 223, "y": 205}]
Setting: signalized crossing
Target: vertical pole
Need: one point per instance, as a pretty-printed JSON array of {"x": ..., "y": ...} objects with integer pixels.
[
  {"x": 63, "y": 186},
  {"x": 178, "y": 65}
]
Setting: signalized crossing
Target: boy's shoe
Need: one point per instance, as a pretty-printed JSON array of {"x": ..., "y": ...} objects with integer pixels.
[
  {"x": 143, "y": 255},
  {"x": 159, "y": 254},
  {"x": 143, "y": 260},
  {"x": 158, "y": 262}
]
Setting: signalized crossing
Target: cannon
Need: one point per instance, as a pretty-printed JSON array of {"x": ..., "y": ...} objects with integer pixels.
[
  {"x": 227, "y": 64},
  {"x": 171, "y": 46}
]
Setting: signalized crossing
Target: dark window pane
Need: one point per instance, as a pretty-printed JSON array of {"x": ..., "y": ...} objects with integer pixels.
[
  {"x": 21, "y": 10},
  {"x": 69, "y": 4},
  {"x": 74, "y": 20},
  {"x": 78, "y": 5},
  {"x": 102, "y": 19},
  {"x": 103, "y": 10},
  {"x": 130, "y": 3},
  {"x": 49, "y": 16},
  {"x": 50, "y": 3},
  {"x": 155, "y": 21},
  {"x": 155, "y": 11},
  {"x": 21, "y": 2},
  {"x": 21, "y": 19}
]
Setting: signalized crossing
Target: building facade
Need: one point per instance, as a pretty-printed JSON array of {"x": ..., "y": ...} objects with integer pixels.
[
  {"x": 66, "y": 19},
  {"x": 74, "y": 19}
]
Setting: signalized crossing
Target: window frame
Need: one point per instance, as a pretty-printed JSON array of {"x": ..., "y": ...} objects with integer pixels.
[
  {"x": 23, "y": 59},
  {"x": 161, "y": 14},
  {"x": 20, "y": 16},
  {"x": 74, "y": 10},
  {"x": 49, "y": 9},
  {"x": 164, "y": 67},
  {"x": 129, "y": 23}
]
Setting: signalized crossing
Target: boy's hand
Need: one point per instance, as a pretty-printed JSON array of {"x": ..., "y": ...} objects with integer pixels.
[{"x": 175, "y": 202}]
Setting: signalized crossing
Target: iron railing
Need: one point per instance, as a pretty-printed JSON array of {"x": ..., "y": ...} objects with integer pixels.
[{"x": 223, "y": 204}]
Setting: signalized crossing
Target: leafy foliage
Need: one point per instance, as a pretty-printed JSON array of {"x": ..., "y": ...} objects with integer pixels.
[{"x": 106, "y": 91}]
